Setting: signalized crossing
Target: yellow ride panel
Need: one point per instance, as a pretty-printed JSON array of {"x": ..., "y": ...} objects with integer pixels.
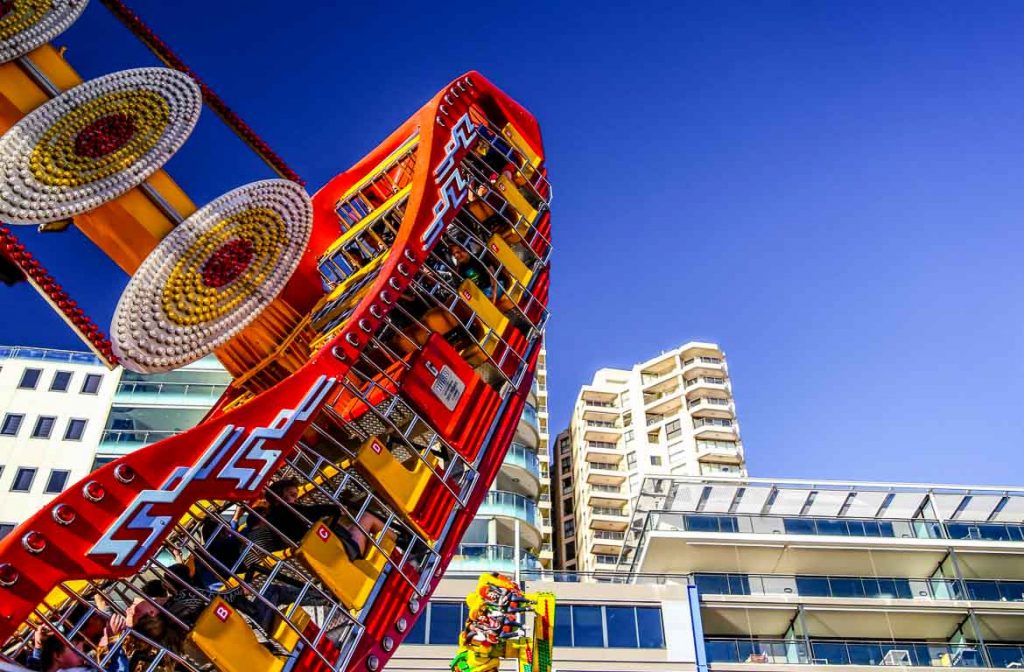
[
  {"x": 350, "y": 581},
  {"x": 228, "y": 641},
  {"x": 398, "y": 484}
]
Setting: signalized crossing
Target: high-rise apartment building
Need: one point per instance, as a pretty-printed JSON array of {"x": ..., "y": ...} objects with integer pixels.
[
  {"x": 512, "y": 530},
  {"x": 563, "y": 509},
  {"x": 64, "y": 414},
  {"x": 673, "y": 414}
]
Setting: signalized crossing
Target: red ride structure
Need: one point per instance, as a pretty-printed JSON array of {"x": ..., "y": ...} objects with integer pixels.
[{"x": 383, "y": 337}]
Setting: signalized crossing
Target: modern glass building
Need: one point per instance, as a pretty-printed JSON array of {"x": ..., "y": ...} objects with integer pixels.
[
  {"x": 763, "y": 575},
  {"x": 149, "y": 407},
  {"x": 512, "y": 530}
]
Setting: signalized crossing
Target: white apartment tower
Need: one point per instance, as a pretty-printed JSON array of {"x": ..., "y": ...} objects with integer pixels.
[{"x": 671, "y": 415}]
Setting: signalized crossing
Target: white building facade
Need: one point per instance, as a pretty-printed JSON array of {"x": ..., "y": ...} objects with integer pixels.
[
  {"x": 64, "y": 414},
  {"x": 671, "y": 415}
]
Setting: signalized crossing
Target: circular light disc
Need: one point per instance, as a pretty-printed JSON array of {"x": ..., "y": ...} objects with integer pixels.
[
  {"x": 94, "y": 143},
  {"x": 212, "y": 276}
]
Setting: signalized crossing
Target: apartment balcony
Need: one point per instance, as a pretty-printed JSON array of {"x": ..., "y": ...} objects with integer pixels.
[
  {"x": 124, "y": 441},
  {"x": 760, "y": 544},
  {"x": 704, "y": 365},
  {"x": 603, "y": 473},
  {"x": 522, "y": 465},
  {"x": 603, "y": 431},
  {"x": 720, "y": 456},
  {"x": 700, "y": 386},
  {"x": 512, "y": 505},
  {"x": 492, "y": 558},
  {"x": 723, "y": 652},
  {"x": 607, "y": 496},
  {"x": 201, "y": 395},
  {"x": 715, "y": 429},
  {"x": 668, "y": 403},
  {"x": 605, "y": 542},
  {"x": 600, "y": 414},
  {"x": 711, "y": 407},
  {"x": 664, "y": 366},
  {"x": 614, "y": 519},
  {"x": 599, "y": 398},
  {"x": 604, "y": 452},
  {"x": 528, "y": 429}
]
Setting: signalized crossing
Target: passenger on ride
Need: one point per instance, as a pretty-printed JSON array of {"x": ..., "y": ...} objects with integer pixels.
[
  {"x": 286, "y": 516},
  {"x": 56, "y": 656},
  {"x": 470, "y": 268}
]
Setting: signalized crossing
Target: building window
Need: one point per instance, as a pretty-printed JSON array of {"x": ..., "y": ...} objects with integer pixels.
[
  {"x": 625, "y": 627},
  {"x": 102, "y": 462},
  {"x": 446, "y": 622},
  {"x": 92, "y": 383},
  {"x": 61, "y": 381},
  {"x": 627, "y": 438},
  {"x": 57, "y": 482},
  {"x": 649, "y": 628},
  {"x": 44, "y": 427},
  {"x": 11, "y": 425},
  {"x": 587, "y": 626},
  {"x": 29, "y": 379},
  {"x": 76, "y": 427},
  {"x": 672, "y": 430},
  {"x": 23, "y": 479},
  {"x": 655, "y": 460},
  {"x": 6, "y": 528}
]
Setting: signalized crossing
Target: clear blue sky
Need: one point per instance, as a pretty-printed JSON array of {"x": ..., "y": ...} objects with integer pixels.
[{"x": 831, "y": 190}]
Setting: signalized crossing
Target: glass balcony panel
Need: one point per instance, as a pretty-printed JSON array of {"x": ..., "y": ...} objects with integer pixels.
[
  {"x": 833, "y": 526},
  {"x": 813, "y": 586},
  {"x": 713, "y": 584},
  {"x": 799, "y": 525},
  {"x": 1006, "y": 656}
]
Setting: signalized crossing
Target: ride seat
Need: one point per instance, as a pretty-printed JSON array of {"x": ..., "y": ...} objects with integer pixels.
[
  {"x": 516, "y": 199},
  {"x": 227, "y": 640},
  {"x": 399, "y": 485},
  {"x": 351, "y": 581}
]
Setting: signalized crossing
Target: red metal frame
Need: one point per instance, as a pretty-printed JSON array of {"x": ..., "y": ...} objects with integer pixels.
[{"x": 155, "y": 486}]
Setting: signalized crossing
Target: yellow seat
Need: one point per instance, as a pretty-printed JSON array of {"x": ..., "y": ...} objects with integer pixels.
[
  {"x": 491, "y": 318},
  {"x": 401, "y": 486},
  {"x": 351, "y": 581},
  {"x": 517, "y": 141},
  {"x": 288, "y": 635},
  {"x": 515, "y": 198},
  {"x": 228, "y": 641},
  {"x": 513, "y": 264}
]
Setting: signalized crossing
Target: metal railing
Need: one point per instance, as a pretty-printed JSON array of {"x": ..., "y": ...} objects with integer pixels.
[
  {"x": 492, "y": 556},
  {"x": 48, "y": 355},
  {"x": 141, "y": 391},
  {"x": 802, "y": 525},
  {"x": 502, "y": 503},
  {"x": 607, "y": 511},
  {"x": 606, "y": 488},
  {"x": 828, "y": 586},
  {"x": 524, "y": 457},
  {"x": 607, "y": 534},
  {"x": 135, "y": 436},
  {"x": 844, "y": 652}
]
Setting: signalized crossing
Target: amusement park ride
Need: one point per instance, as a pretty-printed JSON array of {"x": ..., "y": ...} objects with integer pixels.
[{"x": 382, "y": 337}]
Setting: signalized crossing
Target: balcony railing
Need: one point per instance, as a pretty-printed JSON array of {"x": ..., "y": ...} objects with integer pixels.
[
  {"x": 493, "y": 557},
  {"x": 768, "y": 524},
  {"x": 854, "y": 652},
  {"x": 607, "y": 445},
  {"x": 524, "y": 457},
  {"x": 712, "y": 422},
  {"x": 606, "y": 466},
  {"x": 829, "y": 586},
  {"x": 606, "y": 488},
  {"x": 710, "y": 380},
  {"x": 608, "y": 511},
  {"x": 530, "y": 416},
  {"x": 133, "y": 438},
  {"x": 600, "y": 423},
  {"x": 502, "y": 503},
  {"x": 702, "y": 360},
  {"x": 48, "y": 355},
  {"x": 711, "y": 401},
  {"x": 168, "y": 392},
  {"x": 607, "y": 534},
  {"x": 598, "y": 404}
]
